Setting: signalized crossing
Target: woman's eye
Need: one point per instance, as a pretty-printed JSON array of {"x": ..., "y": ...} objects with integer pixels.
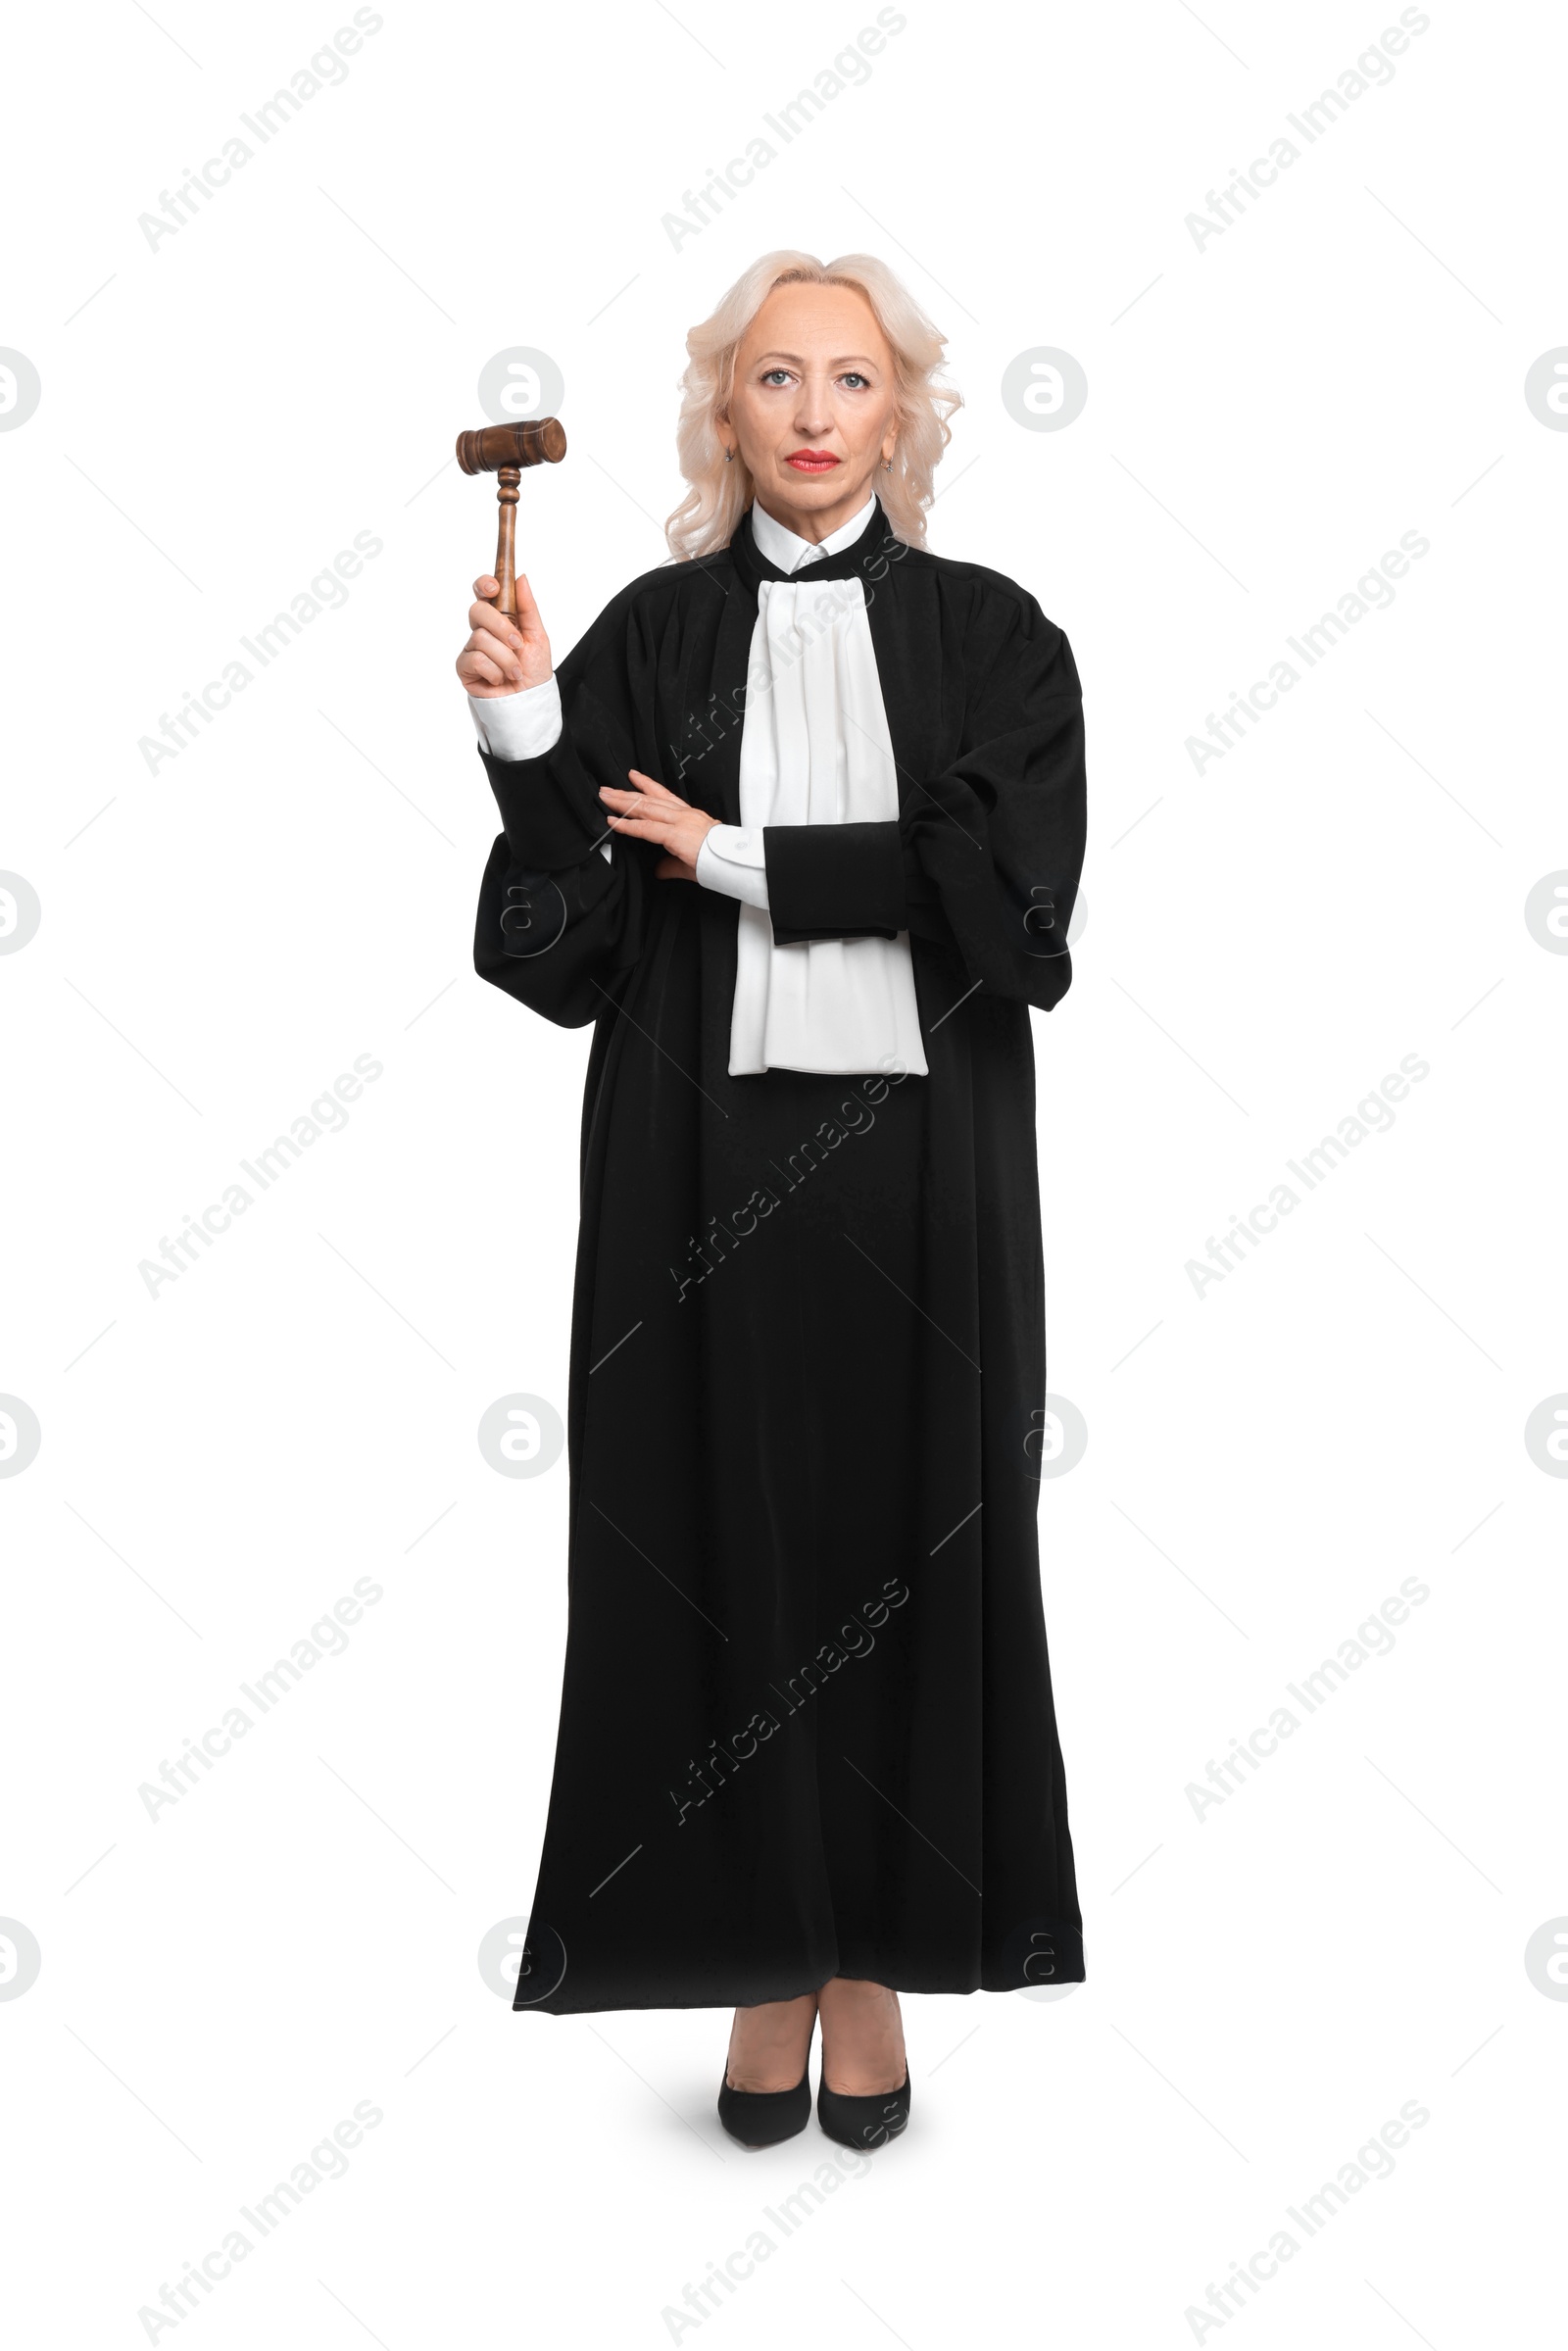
[
  {"x": 776, "y": 376},
  {"x": 853, "y": 378}
]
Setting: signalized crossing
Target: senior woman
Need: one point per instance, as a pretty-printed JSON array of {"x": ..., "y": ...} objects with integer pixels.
[{"x": 797, "y": 827}]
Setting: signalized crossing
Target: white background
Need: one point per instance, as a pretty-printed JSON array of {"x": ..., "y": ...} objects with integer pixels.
[{"x": 1267, "y": 1983}]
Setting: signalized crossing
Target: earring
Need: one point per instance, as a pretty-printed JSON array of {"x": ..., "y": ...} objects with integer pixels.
[
  {"x": 887, "y": 464},
  {"x": 729, "y": 457}
]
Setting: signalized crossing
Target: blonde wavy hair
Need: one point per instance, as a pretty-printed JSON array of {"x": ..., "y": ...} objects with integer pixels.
[{"x": 720, "y": 490}]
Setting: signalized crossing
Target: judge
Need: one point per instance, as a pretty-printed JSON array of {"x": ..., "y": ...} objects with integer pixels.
[{"x": 797, "y": 827}]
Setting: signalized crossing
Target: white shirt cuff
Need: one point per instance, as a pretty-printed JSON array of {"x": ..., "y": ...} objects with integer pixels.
[
  {"x": 519, "y": 726},
  {"x": 731, "y": 861}
]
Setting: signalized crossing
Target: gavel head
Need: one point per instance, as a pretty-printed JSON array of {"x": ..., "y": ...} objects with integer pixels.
[{"x": 542, "y": 441}]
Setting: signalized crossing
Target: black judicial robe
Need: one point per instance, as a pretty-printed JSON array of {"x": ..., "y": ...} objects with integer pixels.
[{"x": 807, "y": 1722}]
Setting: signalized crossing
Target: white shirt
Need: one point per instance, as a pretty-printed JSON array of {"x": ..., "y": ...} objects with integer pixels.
[{"x": 814, "y": 749}]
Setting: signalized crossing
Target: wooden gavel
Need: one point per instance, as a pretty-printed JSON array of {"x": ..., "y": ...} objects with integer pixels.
[{"x": 504, "y": 450}]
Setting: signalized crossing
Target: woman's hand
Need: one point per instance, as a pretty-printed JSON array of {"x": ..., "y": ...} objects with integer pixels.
[
  {"x": 498, "y": 659},
  {"x": 650, "y": 813}
]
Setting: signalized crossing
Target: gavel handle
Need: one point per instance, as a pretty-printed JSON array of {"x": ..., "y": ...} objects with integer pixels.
[{"x": 508, "y": 479}]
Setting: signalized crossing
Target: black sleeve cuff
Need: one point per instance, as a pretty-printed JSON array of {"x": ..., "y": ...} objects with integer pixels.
[
  {"x": 549, "y": 811},
  {"x": 834, "y": 881}
]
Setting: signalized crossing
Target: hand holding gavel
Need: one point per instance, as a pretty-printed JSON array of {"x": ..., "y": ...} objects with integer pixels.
[
  {"x": 500, "y": 658},
  {"x": 508, "y": 650}
]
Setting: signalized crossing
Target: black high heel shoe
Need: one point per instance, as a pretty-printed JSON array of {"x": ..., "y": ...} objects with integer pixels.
[
  {"x": 765, "y": 2118},
  {"x": 864, "y": 2122}
]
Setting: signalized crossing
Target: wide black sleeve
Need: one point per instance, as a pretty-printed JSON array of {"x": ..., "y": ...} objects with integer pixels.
[
  {"x": 834, "y": 881},
  {"x": 560, "y": 924},
  {"x": 983, "y": 859}
]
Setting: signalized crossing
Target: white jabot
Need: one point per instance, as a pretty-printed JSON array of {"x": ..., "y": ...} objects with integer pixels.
[{"x": 814, "y": 749}]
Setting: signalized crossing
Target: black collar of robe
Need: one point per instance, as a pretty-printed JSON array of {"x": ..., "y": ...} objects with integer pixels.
[{"x": 867, "y": 555}]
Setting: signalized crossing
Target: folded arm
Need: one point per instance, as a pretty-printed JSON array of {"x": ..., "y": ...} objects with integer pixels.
[{"x": 982, "y": 859}]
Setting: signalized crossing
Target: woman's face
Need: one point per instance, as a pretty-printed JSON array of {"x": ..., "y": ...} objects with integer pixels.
[{"x": 812, "y": 407}]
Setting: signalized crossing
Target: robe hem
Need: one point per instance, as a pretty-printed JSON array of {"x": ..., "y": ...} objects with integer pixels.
[
  {"x": 722, "y": 2001},
  {"x": 1069, "y": 1969}
]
